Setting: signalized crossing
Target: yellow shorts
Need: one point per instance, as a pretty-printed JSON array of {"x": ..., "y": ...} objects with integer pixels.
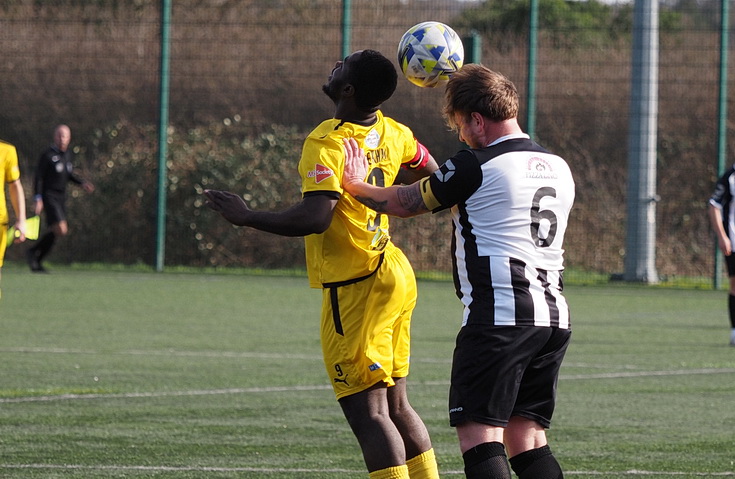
[
  {"x": 3, "y": 242},
  {"x": 365, "y": 327}
]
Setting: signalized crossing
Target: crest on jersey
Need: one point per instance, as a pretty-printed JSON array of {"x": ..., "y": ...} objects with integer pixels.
[
  {"x": 372, "y": 140},
  {"x": 539, "y": 168},
  {"x": 320, "y": 173}
]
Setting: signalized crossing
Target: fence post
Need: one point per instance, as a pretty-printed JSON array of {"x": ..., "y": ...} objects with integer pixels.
[
  {"x": 531, "y": 82},
  {"x": 163, "y": 133},
  {"x": 346, "y": 27},
  {"x": 640, "y": 241}
]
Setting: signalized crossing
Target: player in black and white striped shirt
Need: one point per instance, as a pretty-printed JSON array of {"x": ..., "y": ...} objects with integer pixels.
[
  {"x": 510, "y": 201},
  {"x": 722, "y": 218}
]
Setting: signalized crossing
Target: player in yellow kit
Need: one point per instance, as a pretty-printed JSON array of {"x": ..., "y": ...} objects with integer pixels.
[
  {"x": 345, "y": 258},
  {"x": 10, "y": 175},
  {"x": 369, "y": 289}
]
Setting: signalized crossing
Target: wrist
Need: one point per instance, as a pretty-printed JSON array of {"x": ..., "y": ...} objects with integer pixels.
[{"x": 351, "y": 184}]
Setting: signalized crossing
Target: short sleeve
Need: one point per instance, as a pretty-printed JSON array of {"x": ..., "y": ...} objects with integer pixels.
[{"x": 455, "y": 181}]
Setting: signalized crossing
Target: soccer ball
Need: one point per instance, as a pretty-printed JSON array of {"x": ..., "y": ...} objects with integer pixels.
[{"x": 429, "y": 53}]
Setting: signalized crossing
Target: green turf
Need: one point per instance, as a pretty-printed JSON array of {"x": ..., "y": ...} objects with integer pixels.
[{"x": 139, "y": 374}]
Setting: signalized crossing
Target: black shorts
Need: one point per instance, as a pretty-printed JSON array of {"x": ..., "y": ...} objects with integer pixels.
[
  {"x": 500, "y": 371},
  {"x": 730, "y": 262},
  {"x": 54, "y": 205}
]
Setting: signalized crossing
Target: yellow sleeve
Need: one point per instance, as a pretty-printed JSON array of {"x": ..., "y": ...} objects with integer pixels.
[
  {"x": 11, "y": 170},
  {"x": 321, "y": 165}
]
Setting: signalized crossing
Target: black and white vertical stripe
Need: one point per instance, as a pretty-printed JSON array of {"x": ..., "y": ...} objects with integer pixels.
[
  {"x": 503, "y": 274},
  {"x": 506, "y": 291}
]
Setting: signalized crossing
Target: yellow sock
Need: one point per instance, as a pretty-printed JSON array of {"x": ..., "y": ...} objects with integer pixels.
[
  {"x": 395, "y": 472},
  {"x": 423, "y": 466}
]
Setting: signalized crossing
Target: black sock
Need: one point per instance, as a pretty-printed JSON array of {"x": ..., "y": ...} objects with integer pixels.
[
  {"x": 731, "y": 304},
  {"x": 536, "y": 464},
  {"x": 486, "y": 461},
  {"x": 44, "y": 245}
]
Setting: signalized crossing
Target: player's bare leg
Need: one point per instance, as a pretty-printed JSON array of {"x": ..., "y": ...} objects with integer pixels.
[
  {"x": 420, "y": 456},
  {"x": 731, "y": 310},
  {"x": 368, "y": 414}
]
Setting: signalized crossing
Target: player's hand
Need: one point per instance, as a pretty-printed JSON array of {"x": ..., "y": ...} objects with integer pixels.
[
  {"x": 20, "y": 231},
  {"x": 725, "y": 245},
  {"x": 356, "y": 164},
  {"x": 38, "y": 207},
  {"x": 231, "y": 206}
]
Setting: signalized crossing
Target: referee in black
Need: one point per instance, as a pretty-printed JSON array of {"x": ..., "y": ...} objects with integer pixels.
[{"x": 53, "y": 173}]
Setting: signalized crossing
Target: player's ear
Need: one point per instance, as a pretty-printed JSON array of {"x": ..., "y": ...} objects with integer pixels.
[
  {"x": 477, "y": 119},
  {"x": 348, "y": 90}
]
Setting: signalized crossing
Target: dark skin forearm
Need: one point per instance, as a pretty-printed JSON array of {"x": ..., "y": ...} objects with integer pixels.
[{"x": 310, "y": 216}]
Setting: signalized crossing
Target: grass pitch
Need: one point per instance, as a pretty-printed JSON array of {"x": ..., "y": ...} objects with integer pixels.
[{"x": 135, "y": 374}]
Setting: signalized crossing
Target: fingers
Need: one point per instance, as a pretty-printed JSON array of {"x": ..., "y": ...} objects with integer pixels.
[
  {"x": 214, "y": 198},
  {"x": 352, "y": 148},
  {"x": 219, "y": 200},
  {"x": 353, "y": 152},
  {"x": 217, "y": 195}
]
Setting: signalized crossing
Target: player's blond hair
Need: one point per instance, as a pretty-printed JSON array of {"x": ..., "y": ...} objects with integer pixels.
[{"x": 476, "y": 88}]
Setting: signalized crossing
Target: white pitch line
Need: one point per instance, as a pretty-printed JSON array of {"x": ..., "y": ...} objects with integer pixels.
[
  {"x": 78, "y": 467},
  {"x": 161, "y": 394},
  {"x": 171, "y": 468},
  {"x": 229, "y": 354},
  {"x": 249, "y": 354},
  {"x": 214, "y": 392},
  {"x": 642, "y": 374},
  {"x": 167, "y": 352}
]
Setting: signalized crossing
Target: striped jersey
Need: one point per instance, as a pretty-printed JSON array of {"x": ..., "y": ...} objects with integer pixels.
[
  {"x": 722, "y": 198},
  {"x": 357, "y": 236},
  {"x": 510, "y": 205}
]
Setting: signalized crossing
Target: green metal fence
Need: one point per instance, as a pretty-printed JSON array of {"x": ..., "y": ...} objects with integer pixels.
[{"x": 244, "y": 87}]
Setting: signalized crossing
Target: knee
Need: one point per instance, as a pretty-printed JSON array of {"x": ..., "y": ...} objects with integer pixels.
[
  {"x": 400, "y": 408},
  {"x": 362, "y": 416},
  {"x": 368, "y": 422},
  {"x": 523, "y": 435}
]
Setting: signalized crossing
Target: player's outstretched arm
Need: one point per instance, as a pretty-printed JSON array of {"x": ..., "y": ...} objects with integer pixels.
[
  {"x": 18, "y": 200},
  {"x": 402, "y": 201},
  {"x": 312, "y": 215}
]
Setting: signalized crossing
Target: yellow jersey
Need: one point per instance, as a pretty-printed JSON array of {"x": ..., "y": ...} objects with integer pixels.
[
  {"x": 9, "y": 172},
  {"x": 352, "y": 245}
]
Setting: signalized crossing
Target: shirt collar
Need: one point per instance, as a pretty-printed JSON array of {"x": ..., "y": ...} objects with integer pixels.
[{"x": 512, "y": 136}]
